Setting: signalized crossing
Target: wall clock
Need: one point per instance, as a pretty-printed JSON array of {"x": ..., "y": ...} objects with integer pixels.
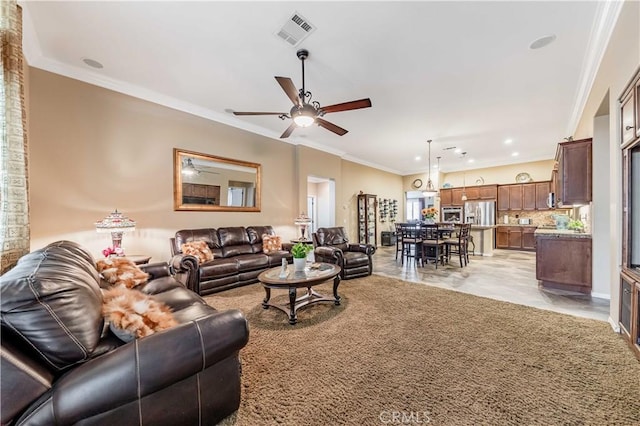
[{"x": 417, "y": 183}]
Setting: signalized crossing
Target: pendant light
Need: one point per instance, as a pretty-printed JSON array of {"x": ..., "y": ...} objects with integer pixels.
[
  {"x": 438, "y": 194},
  {"x": 429, "y": 190},
  {"x": 464, "y": 174}
]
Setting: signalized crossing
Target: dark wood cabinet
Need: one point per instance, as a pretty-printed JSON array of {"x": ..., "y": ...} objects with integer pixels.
[
  {"x": 205, "y": 194},
  {"x": 367, "y": 219},
  {"x": 515, "y": 197},
  {"x": 488, "y": 192},
  {"x": 542, "y": 195},
  {"x": 528, "y": 196},
  {"x": 564, "y": 262},
  {"x": 574, "y": 173},
  {"x": 515, "y": 237},
  {"x": 629, "y": 308},
  {"x": 503, "y": 198},
  {"x": 445, "y": 197},
  {"x": 528, "y": 238},
  {"x": 456, "y": 197},
  {"x": 472, "y": 193}
]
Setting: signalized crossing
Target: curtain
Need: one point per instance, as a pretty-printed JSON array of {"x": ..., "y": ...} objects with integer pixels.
[{"x": 14, "y": 199}]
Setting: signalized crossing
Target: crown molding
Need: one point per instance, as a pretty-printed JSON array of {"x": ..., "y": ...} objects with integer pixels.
[{"x": 607, "y": 14}]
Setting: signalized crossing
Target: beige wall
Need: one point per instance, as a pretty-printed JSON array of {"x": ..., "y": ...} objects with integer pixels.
[
  {"x": 620, "y": 61},
  {"x": 93, "y": 150},
  {"x": 538, "y": 170}
]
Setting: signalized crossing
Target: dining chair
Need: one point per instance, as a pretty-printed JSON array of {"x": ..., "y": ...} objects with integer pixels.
[
  {"x": 459, "y": 244},
  {"x": 399, "y": 239},
  {"x": 411, "y": 241},
  {"x": 433, "y": 247}
]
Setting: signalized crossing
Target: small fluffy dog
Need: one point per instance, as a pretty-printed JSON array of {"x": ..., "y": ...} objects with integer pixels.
[
  {"x": 135, "y": 312},
  {"x": 121, "y": 271}
]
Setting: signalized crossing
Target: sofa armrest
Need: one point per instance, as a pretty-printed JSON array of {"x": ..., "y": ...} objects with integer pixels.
[
  {"x": 148, "y": 365},
  {"x": 287, "y": 247},
  {"x": 328, "y": 252},
  {"x": 156, "y": 269},
  {"x": 186, "y": 270},
  {"x": 363, "y": 248}
]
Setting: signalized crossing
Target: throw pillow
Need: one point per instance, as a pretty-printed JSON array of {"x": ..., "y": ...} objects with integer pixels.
[
  {"x": 271, "y": 243},
  {"x": 133, "y": 314},
  {"x": 199, "y": 249},
  {"x": 121, "y": 271}
]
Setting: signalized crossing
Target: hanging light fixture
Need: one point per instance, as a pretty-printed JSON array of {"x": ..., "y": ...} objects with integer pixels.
[
  {"x": 438, "y": 194},
  {"x": 188, "y": 168},
  {"x": 429, "y": 190},
  {"x": 464, "y": 174}
]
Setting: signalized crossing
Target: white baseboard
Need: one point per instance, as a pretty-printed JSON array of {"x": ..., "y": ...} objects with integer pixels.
[
  {"x": 614, "y": 325},
  {"x": 601, "y": 295}
]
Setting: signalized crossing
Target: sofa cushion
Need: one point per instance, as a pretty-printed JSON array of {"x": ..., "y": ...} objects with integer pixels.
[
  {"x": 219, "y": 267},
  {"x": 271, "y": 243},
  {"x": 199, "y": 249},
  {"x": 234, "y": 241},
  {"x": 208, "y": 235},
  {"x": 250, "y": 262},
  {"x": 256, "y": 235},
  {"x": 52, "y": 299}
]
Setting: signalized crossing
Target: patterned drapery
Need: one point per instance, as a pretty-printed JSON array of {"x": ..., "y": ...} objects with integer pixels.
[{"x": 14, "y": 197}]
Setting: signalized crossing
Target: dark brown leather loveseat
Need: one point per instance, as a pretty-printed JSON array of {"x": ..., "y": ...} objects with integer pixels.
[
  {"x": 238, "y": 256},
  {"x": 60, "y": 367},
  {"x": 332, "y": 246}
]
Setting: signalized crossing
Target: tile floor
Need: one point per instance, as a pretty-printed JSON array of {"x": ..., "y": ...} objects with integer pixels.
[{"x": 508, "y": 275}]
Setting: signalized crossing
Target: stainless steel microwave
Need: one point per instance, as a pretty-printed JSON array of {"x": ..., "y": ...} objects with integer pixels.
[{"x": 451, "y": 214}]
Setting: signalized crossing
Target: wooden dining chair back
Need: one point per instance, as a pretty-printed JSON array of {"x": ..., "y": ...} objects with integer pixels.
[
  {"x": 411, "y": 241},
  {"x": 459, "y": 244},
  {"x": 433, "y": 247},
  {"x": 399, "y": 239}
]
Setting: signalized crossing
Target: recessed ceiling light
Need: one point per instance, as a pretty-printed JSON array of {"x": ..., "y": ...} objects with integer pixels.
[
  {"x": 418, "y": 158},
  {"x": 542, "y": 42},
  {"x": 514, "y": 154},
  {"x": 92, "y": 63},
  {"x": 471, "y": 160},
  {"x": 458, "y": 151},
  {"x": 508, "y": 141}
]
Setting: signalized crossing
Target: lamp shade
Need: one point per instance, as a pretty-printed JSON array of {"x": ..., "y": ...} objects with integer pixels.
[{"x": 115, "y": 222}]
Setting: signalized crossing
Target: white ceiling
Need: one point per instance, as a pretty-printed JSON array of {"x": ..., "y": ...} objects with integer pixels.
[{"x": 460, "y": 73}]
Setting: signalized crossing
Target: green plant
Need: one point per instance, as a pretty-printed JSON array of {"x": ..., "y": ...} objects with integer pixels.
[
  {"x": 300, "y": 250},
  {"x": 576, "y": 225}
]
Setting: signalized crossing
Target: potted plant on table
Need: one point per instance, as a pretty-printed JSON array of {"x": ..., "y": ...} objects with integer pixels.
[{"x": 299, "y": 252}]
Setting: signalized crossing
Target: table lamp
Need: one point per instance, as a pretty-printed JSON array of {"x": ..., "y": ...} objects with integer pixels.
[
  {"x": 302, "y": 221},
  {"x": 117, "y": 224}
]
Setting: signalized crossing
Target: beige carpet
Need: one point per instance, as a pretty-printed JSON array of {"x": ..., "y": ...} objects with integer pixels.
[{"x": 399, "y": 351}]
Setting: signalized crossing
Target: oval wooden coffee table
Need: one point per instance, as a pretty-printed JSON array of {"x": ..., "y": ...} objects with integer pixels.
[{"x": 314, "y": 275}]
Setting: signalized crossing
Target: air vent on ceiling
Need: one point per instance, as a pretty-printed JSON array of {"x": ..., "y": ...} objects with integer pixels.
[{"x": 296, "y": 29}]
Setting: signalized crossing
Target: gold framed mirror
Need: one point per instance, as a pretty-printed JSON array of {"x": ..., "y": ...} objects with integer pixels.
[{"x": 203, "y": 182}]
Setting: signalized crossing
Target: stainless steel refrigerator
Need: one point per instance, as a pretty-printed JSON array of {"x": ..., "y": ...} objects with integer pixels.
[{"x": 480, "y": 212}]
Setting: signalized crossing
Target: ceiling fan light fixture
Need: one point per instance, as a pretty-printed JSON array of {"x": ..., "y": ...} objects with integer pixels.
[
  {"x": 304, "y": 116},
  {"x": 189, "y": 169}
]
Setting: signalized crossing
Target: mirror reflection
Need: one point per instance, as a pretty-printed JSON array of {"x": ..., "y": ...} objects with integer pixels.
[{"x": 207, "y": 182}]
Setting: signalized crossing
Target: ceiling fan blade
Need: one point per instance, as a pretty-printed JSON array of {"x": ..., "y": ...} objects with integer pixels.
[
  {"x": 346, "y": 106},
  {"x": 330, "y": 126},
  {"x": 288, "y": 131},
  {"x": 258, "y": 113},
  {"x": 290, "y": 89}
]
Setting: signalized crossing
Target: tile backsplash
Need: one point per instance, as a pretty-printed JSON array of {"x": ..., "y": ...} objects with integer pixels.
[{"x": 538, "y": 218}]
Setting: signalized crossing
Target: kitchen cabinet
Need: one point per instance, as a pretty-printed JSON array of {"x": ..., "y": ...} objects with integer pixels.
[
  {"x": 488, "y": 192},
  {"x": 528, "y": 238},
  {"x": 528, "y": 196},
  {"x": 445, "y": 197},
  {"x": 573, "y": 186},
  {"x": 367, "y": 215},
  {"x": 515, "y": 238},
  {"x": 628, "y": 123},
  {"x": 503, "y": 197},
  {"x": 209, "y": 194},
  {"x": 563, "y": 261},
  {"x": 472, "y": 193},
  {"x": 515, "y": 197},
  {"x": 542, "y": 195},
  {"x": 456, "y": 197}
]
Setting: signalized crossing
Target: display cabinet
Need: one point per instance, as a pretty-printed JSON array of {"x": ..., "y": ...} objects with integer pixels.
[
  {"x": 630, "y": 271},
  {"x": 367, "y": 215}
]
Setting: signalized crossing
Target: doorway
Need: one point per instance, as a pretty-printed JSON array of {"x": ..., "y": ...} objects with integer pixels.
[{"x": 321, "y": 202}]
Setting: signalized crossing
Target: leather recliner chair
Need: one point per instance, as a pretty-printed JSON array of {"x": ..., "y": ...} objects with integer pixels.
[
  {"x": 332, "y": 246},
  {"x": 61, "y": 366}
]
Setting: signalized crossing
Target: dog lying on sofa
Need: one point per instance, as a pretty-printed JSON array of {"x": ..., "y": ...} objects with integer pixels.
[{"x": 239, "y": 255}]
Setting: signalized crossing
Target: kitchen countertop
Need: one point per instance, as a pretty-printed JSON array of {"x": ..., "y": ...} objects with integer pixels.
[
  {"x": 482, "y": 227},
  {"x": 515, "y": 224},
  {"x": 561, "y": 233}
]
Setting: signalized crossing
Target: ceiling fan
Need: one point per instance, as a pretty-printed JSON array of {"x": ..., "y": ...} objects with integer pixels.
[{"x": 305, "y": 112}]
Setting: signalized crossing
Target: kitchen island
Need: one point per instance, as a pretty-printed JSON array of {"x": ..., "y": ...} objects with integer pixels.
[
  {"x": 482, "y": 237},
  {"x": 563, "y": 259}
]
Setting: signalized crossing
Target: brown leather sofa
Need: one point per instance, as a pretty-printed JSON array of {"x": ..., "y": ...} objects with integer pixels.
[
  {"x": 238, "y": 257},
  {"x": 60, "y": 367},
  {"x": 332, "y": 245}
]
